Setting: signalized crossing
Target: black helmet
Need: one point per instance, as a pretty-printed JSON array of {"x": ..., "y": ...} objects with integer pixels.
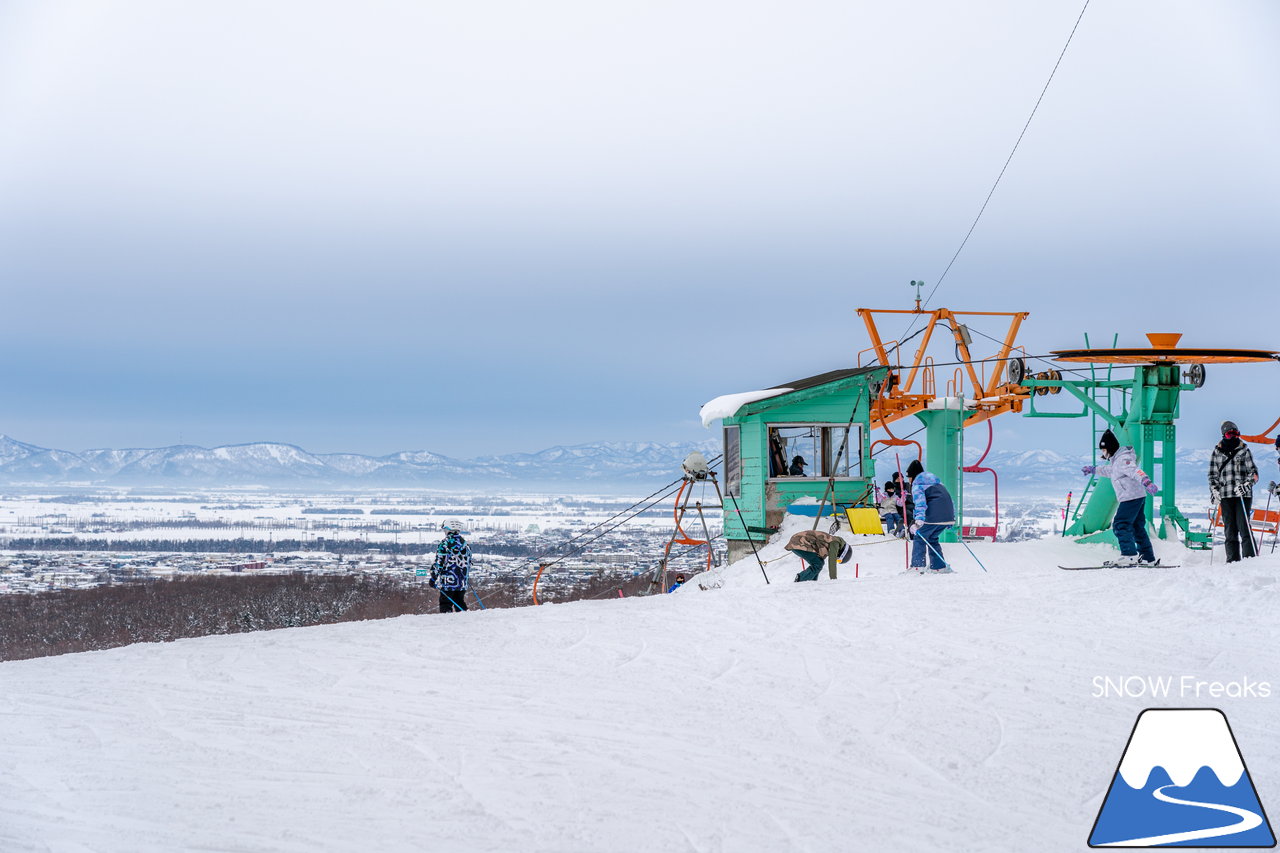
[
  {"x": 846, "y": 552},
  {"x": 1108, "y": 443},
  {"x": 1229, "y": 426},
  {"x": 915, "y": 469}
]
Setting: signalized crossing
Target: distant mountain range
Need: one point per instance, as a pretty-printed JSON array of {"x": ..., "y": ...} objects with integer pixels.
[
  {"x": 616, "y": 464},
  {"x": 271, "y": 464}
]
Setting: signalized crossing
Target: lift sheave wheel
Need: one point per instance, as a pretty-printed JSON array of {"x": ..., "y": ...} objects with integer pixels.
[{"x": 1017, "y": 371}]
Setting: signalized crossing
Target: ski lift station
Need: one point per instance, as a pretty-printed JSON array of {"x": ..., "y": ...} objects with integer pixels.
[
  {"x": 809, "y": 441},
  {"x": 809, "y": 418}
]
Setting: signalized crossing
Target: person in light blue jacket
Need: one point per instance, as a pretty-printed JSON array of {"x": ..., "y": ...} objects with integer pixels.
[
  {"x": 933, "y": 513},
  {"x": 1132, "y": 486}
]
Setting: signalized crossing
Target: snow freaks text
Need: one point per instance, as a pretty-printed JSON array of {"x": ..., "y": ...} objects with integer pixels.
[{"x": 1177, "y": 687}]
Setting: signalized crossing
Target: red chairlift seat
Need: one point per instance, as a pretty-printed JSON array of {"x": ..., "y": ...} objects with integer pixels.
[{"x": 976, "y": 531}]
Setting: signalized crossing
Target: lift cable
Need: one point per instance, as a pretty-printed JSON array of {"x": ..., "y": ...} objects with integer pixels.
[
  {"x": 661, "y": 494},
  {"x": 1048, "y": 359},
  {"x": 1045, "y": 359},
  {"x": 1007, "y": 161}
]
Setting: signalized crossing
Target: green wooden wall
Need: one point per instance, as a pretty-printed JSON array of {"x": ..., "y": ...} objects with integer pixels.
[{"x": 763, "y": 501}]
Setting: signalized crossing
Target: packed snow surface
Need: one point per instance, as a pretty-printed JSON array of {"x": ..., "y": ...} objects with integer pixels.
[{"x": 886, "y": 712}]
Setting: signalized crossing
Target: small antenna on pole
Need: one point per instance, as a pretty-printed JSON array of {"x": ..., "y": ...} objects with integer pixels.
[{"x": 917, "y": 285}]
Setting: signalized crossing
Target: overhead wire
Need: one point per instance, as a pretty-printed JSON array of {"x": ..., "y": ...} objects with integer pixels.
[
  {"x": 907, "y": 336},
  {"x": 1007, "y": 161},
  {"x": 1044, "y": 358},
  {"x": 657, "y": 496}
]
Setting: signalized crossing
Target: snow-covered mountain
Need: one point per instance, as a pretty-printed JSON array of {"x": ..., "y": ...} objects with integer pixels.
[
  {"x": 267, "y": 463},
  {"x": 600, "y": 463}
]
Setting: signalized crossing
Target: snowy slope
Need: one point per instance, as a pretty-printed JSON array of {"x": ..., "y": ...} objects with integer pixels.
[{"x": 888, "y": 713}]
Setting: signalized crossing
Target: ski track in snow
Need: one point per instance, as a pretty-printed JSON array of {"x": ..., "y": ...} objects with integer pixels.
[{"x": 890, "y": 713}]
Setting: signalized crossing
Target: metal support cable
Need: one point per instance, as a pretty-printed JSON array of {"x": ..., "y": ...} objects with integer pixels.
[
  {"x": 661, "y": 494},
  {"x": 570, "y": 550},
  {"x": 1007, "y": 161}
]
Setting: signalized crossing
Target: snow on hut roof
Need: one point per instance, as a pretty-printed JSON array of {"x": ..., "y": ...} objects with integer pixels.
[{"x": 727, "y": 405}]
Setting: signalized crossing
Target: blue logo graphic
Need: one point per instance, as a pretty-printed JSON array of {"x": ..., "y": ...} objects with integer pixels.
[{"x": 1182, "y": 782}]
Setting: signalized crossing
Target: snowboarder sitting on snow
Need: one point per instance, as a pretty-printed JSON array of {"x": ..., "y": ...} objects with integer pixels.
[
  {"x": 797, "y": 467},
  {"x": 934, "y": 512},
  {"x": 1132, "y": 486},
  {"x": 813, "y": 546},
  {"x": 1232, "y": 474},
  {"x": 449, "y": 574},
  {"x": 679, "y": 583},
  {"x": 890, "y": 512}
]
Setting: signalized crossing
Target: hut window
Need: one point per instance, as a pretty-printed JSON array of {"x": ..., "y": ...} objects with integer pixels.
[
  {"x": 733, "y": 460},
  {"x": 816, "y": 446}
]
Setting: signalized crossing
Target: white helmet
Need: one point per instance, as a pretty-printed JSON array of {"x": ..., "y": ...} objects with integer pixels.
[{"x": 452, "y": 526}]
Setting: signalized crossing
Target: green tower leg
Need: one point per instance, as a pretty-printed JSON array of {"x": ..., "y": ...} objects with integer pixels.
[
  {"x": 944, "y": 431},
  {"x": 1149, "y": 426}
]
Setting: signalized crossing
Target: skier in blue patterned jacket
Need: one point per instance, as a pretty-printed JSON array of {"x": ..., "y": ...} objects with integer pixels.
[
  {"x": 453, "y": 564},
  {"x": 934, "y": 512},
  {"x": 1132, "y": 486}
]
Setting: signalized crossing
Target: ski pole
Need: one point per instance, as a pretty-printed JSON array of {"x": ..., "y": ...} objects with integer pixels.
[
  {"x": 737, "y": 509},
  {"x": 943, "y": 560},
  {"x": 1065, "y": 513},
  {"x": 1266, "y": 516},
  {"x": 906, "y": 532},
  {"x": 1212, "y": 520},
  {"x": 971, "y": 554},
  {"x": 1273, "y": 489},
  {"x": 1248, "y": 526}
]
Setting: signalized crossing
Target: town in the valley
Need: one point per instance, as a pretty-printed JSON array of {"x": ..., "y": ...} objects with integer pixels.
[{"x": 67, "y": 539}]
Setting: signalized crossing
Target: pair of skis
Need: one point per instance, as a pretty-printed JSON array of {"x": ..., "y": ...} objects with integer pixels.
[{"x": 1156, "y": 565}]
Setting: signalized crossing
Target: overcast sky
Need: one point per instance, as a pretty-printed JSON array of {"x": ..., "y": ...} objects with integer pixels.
[{"x": 498, "y": 226}]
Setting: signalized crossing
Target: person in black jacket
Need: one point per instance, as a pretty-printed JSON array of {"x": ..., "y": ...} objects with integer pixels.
[
  {"x": 453, "y": 564},
  {"x": 1232, "y": 474}
]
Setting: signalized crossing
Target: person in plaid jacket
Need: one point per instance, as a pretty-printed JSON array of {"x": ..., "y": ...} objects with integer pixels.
[{"x": 1232, "y": 474}]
